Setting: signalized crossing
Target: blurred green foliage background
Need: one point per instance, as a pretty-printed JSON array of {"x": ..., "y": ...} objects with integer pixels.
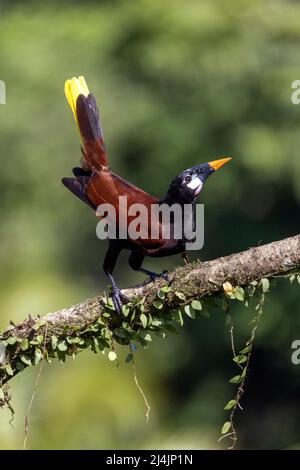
[{"x": 178, "y": 83}]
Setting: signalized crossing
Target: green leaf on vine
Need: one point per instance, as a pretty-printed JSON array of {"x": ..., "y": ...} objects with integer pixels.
[
  {"x": 239, "y": 293},
  {"x": 236, "y": 379},
  {"x": 226, "y": 427},
  {"x": 230, "y": 405},
  {"x": 265, "y": 284}
]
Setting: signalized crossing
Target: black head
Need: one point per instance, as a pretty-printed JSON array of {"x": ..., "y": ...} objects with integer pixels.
[{"x": 186, "y": 186}]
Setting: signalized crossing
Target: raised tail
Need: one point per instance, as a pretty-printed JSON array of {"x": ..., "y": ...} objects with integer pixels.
[{"x": 86, "y": 114}]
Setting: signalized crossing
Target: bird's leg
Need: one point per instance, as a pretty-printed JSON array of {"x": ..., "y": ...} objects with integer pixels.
[
  {"x": 135, "y": 262},
  {"x": 108, "y": 267},
  {"x": 116, "y": 294}
]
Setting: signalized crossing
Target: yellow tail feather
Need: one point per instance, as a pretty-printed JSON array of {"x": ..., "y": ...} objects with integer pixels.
[{"x": 73, "y": 88}]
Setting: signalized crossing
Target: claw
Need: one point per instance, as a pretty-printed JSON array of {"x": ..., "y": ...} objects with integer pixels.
[
  {"x": 152, "y": 277},
  {"x": 124, "y": 298},
  {"x": 142, "y": 284},
  {"x": 163, "y": 274}
]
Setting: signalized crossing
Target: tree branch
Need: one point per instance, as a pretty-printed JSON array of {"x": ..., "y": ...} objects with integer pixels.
[{"x": 94, "y": 323}]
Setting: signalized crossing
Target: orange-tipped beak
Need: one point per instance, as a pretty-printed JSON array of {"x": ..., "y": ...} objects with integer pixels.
[{"x": 216, "y": 164}]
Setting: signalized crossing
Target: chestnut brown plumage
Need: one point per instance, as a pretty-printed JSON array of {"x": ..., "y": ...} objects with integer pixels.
[{"x": 95, "y": 184}]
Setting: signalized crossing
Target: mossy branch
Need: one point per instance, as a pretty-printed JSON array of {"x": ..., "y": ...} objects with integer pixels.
[{"x": 156, "y": 307}]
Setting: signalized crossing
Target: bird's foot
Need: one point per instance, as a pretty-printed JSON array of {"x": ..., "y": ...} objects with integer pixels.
[
  {"x": 152, "y": 277},
  {"x": 142, "y": 284},
  {"x": 163, "y": 274},
  {"x": 118, "y": 298}
]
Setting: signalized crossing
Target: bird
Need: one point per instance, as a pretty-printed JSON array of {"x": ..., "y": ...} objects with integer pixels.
[{"x": 95, "y": 184}]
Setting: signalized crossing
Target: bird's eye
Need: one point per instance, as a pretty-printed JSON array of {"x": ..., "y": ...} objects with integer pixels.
[{"x": 188, "y": 179}]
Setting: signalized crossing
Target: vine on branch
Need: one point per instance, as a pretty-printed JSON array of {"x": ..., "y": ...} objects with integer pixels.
[
  {"x": 158, "y": 308},
  {"x": 242, "y": 358}
]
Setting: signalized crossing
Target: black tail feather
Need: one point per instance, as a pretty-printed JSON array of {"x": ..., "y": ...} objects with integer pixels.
[
  {"x": 77, "y": 171},
  {"x": 77, "y": 187},
  {"x": 88, "y": 117}
]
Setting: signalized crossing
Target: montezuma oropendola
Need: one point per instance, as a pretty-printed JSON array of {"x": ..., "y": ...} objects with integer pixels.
[{"x": 95, "y": 184}]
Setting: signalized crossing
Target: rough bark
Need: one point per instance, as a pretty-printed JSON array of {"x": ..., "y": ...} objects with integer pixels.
[{"x": 194, "y": 280}]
